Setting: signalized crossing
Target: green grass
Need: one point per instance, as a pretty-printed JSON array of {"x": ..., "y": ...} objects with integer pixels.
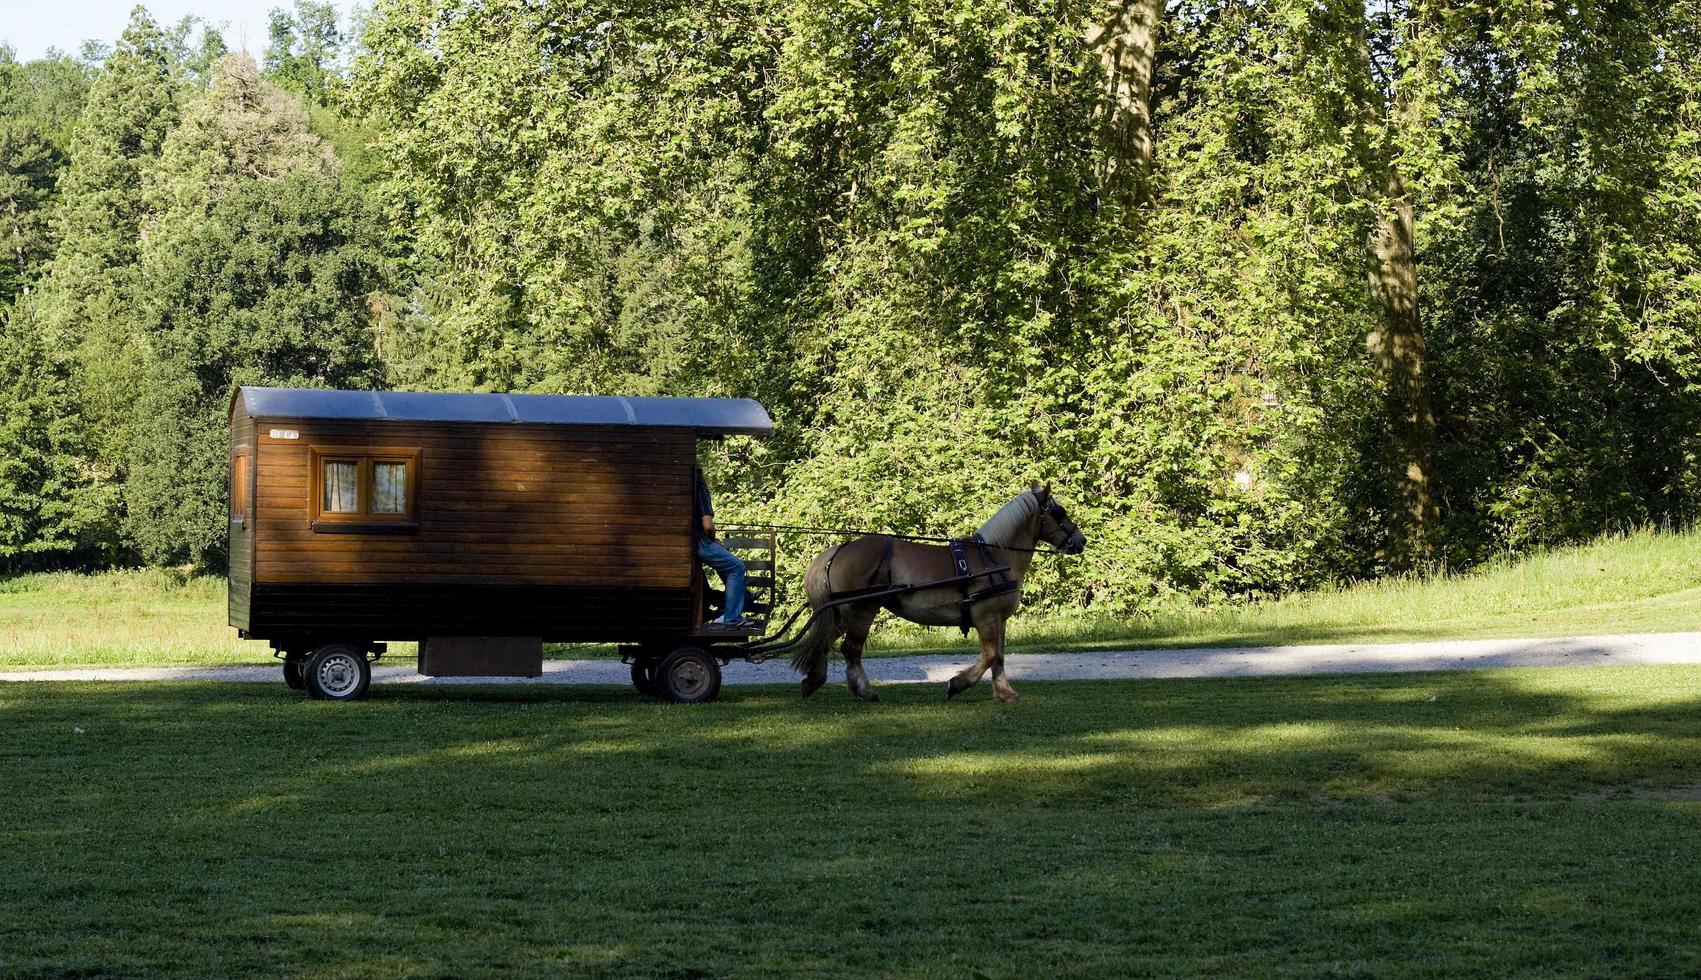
[
  {"x": 1643, "y": 582},
  {"x": 123, "y": 618},
  {"x": 129, "y": 618},
  {"x": 1502, "y": 823}
]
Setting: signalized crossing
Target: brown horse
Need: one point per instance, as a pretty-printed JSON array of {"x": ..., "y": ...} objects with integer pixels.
[{"x": 877, "y": 560}]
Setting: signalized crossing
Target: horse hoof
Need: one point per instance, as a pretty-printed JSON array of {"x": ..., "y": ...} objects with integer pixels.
[{"x": 951, "y": 691}]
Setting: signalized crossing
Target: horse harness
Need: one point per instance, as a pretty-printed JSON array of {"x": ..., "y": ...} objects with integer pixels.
[{"x": 998, "y": 576}]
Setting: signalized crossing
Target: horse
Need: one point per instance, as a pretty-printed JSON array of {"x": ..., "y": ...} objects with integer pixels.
[{"x": 872, "y": 561}]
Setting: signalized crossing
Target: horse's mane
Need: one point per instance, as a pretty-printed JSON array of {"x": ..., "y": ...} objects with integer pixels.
[{"x": 1000, "y": 529}]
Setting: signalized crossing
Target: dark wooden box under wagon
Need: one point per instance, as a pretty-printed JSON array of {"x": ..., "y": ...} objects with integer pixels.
[{"x": 479, "y": 525}]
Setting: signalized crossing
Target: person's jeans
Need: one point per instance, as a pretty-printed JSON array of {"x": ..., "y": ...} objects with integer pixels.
[{"x": 731, "y": 571}]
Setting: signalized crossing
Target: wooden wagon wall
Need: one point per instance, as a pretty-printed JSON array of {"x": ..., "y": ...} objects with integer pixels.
[{"x": 566, "y": 532}]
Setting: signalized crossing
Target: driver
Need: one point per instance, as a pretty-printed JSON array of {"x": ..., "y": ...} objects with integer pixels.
[{"x": 713, "y": 554}]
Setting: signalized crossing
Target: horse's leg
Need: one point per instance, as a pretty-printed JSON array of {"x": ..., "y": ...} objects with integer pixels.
[
  {"x": 1001, "y": 688},
  {"x": 857, "y": 626},
  {"x": 816, "y": 677},
  {"x": 991, "y": 645}
]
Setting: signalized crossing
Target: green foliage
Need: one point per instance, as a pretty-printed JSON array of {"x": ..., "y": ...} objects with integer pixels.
[
  {"x": 1564, "y": 298},
  {"x": 303, "y": 47},
  {"x": 29, "y": 167},
  {"x": 885, "y": 220},
  {"x": 267, "y": 287},
  {"x": 256, "y": 269},
  {"x": 82, "y": 306},
  {"x": 39, "y": 104},
  {"x": 47, "y": 509}
]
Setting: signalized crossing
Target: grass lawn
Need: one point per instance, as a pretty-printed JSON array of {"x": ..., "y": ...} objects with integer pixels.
[
  {"x": 1644, "y": 582},
  {"x": 1536, "y": 823}
]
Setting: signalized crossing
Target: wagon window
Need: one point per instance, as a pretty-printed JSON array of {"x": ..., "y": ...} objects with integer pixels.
[
  {"x": 389, "y": 487},
  {"x": 364, "y": 490},
  {"x": 341, "y": 487},
  {"x": 239, "y": 487}
]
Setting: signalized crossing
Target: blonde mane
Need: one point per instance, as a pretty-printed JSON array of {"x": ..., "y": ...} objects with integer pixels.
[{"x": 1001, "y": 528}]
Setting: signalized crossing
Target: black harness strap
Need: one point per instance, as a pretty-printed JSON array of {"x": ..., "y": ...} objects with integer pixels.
[
  {"x": 960, "y": 558},
  {"x": 998, "y": 576},
  {"x": 999, "y": 581}
]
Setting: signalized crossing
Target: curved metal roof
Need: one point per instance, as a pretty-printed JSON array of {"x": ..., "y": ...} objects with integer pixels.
[{"x": 717, "y": 416}]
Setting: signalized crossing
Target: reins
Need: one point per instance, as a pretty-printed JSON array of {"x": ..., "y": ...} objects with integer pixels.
[{"x": 851, "y": 532}]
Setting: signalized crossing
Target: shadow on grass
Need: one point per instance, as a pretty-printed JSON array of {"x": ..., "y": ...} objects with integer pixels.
[
  {"x": 1465, "y": 736},
  {"x": 1453, "y": 821}
]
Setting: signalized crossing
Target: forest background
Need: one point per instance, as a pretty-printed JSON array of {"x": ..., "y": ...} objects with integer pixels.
[{"x": 1274, "y": 294}]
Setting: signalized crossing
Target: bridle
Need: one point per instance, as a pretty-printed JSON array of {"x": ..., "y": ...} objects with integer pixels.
[{"x": 1054, "y": 510}]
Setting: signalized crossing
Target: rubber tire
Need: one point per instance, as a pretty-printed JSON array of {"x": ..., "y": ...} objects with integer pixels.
[
  {"x": 689, "y": 675},
  {"x": 351, "y": 657},
  {"x": 295, "y": 673},
  {"x": 644, "y": 677}
]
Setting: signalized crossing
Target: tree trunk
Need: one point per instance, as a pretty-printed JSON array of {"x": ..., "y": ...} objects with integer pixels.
[
  {"x": 1398, "y": 349},
  {"x": 1396, "y": 341},
  {"x": 1126, "y": 41}
]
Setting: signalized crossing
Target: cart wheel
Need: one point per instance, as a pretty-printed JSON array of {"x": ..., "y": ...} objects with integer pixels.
[
  {"x": 644, "y": 677},
  {"x": 295, "y": 676},
  {"x": 689, "y": 676},
  {"x": 338, "y": 672}
]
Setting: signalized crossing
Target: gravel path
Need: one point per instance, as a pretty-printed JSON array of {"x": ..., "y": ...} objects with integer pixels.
[{"x": 1355, "y": 658}]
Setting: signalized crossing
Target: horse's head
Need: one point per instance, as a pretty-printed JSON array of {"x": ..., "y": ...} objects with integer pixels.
[{"x": 1055, "y": 527}]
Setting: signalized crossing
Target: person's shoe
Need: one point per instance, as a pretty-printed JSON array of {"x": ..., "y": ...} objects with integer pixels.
[{"x": 724, "y": 624}]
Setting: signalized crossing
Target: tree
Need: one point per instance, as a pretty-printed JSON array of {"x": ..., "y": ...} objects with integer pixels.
[
  {"x": 303, "y": 48},
  {"x": 1125, "y": 38},
  {"x": 85, "y": 329},
  {"x": 29, "y": 168},
  {"x": 48, "y": 511},
  {"x": 1390, "y": 114},
  {"x": 257, "y": 267}
]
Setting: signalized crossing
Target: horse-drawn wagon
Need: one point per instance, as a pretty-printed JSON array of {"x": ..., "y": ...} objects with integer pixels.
[
  {"x": 481, "y": 526},
  {"x": 485, "y": 525}
]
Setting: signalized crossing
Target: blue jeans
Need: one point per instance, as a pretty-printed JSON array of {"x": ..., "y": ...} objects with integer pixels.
[{"x": 731, "y": 571}]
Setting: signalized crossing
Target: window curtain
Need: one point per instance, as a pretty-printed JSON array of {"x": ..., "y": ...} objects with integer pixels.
[
  {"x": 389, "y": 488},
  {"x": 342, "y": 488}
]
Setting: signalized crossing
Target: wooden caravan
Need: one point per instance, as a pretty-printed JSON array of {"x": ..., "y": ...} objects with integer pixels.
[{"x": 480, "y": 525}]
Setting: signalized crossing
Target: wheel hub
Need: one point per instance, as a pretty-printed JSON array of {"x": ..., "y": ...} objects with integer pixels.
[
  {"x": 338, "y": 674},
  {"x": 689, "y": 678}
]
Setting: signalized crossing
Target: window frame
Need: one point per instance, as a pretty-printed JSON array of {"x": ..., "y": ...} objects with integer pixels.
[{"x": 362, "y": 520}]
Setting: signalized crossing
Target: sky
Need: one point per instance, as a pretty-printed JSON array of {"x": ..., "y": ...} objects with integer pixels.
[{"x": 33, "y": 26}]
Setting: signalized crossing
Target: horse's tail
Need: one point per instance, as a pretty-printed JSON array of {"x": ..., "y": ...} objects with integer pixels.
[{"x": 817, "y": 641}]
